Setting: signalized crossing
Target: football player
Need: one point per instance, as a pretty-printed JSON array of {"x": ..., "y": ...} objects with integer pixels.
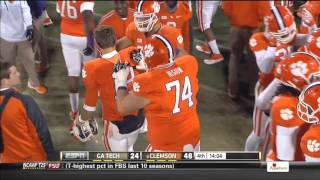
[
  {"x": 280, "y": 24},
  {"x": 168, "y": 93},
  {"x": 295, "y": 72},
  {"x": 206, "y": 10},
  {"x": 177, "y": 14},
  {"x": 268, "y": 51},
  {"x": 77, "y": 43},
  {"x": 119, "y": 18},
  {"x": 309, "y": 111},
  {"x": 120, "y": 132},
  {"x": 146, "y": 23}
]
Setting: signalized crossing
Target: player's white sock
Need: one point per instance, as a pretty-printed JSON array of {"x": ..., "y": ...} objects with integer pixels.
[
  {"x": 74, "y": 101},
  {"x": 253, "y": 142},
  {"x": 213, "y": 46}
]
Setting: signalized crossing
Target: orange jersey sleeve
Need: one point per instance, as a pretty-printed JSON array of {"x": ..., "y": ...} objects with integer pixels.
[
  {"x": 284, "y": 111},
  {"x": 98, "y": 79},
  {"x": 119, "y": 25},
  {"x": 285, "y": 122},
  {"x": 258, "y": 42},
  {"x": 310, "y": 143},
  {"x": 172, "y": 116},
  {"x": 89, "y": 80},
  {"x": 173, "y": 35},
  {"x": 72, "y": 22}
]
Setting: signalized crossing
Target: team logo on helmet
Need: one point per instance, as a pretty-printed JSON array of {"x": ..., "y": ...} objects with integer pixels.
[
  {"x": 313, "y": 145},
  {"x": 299, "y": 69}
]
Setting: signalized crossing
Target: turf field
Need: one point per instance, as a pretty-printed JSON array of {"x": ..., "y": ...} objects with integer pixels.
[{"x": 225, "y": 124}]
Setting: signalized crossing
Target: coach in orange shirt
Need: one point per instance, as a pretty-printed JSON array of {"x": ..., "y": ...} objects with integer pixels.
[
  {"x": 242, "y": 27},
  {"x": 24, "y": 135}
]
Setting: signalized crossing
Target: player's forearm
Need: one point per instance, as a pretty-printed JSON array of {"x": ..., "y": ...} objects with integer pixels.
[
  {"x": 121, "y": 94},
  {"x": 122, "y": 43},
  {"x": 88, "y": 22}
]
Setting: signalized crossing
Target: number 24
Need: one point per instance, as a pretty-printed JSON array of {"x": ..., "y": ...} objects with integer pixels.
[{"x": 186, "y": 93}]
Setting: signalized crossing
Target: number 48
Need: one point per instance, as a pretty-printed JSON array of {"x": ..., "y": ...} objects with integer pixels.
[{"x": 186, "y": 93}]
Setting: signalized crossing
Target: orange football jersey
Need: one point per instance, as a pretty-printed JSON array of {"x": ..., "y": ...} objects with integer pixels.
[
  {"x": 178, "y": 19},
  {"x": 119, "y": 25},
  {"x": 72, "y": 22},
  {"x": 284, "y": 116},
  {"x": 310, "y": 143},
  {"x": 259, "y": 42},
  {"x": 98, "y": 80},
  {"x": 139, "y": 39},
  {"x": 172, "y": 112}
]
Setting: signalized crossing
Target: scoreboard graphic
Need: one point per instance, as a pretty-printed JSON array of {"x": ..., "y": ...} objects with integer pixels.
[{"x": 84, "y": 160}]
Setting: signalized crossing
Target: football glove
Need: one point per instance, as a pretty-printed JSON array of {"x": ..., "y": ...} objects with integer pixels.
[
  {"x": 29, "y": 33},
  {"x": 90, "y": 45},
  {"x": 82, "y": 130},
  {"x": 120, "y": 74},
  {"x": 137, "y": 56}
]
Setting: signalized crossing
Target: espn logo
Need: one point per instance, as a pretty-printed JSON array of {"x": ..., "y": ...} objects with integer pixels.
[{"x": 278, "y": 166}]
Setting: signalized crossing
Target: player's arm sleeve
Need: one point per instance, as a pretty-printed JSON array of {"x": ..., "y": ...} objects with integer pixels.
[
  {"x": 264, "y": 54},
  {"x": 35, "y": 115},
  {"x": 263, "y": 101},
  {"x": 26, "y": 13},
  {"x": 185, "y": 30},
  {"x": 91, "y": 88},
  {"x": 265, "y": 59},
  {"x": 141, "y": 86},
  {"x": 186, "y": 35}
]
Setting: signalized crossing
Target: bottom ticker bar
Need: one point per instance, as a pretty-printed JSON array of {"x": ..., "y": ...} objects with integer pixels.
[{"x": 146, "y": 165}]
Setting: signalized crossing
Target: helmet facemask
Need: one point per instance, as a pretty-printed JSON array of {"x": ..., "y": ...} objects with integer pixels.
[
  {"x": 286, "y": 35},
  {"x": 145, "y": 22},
  {"x": 306, "y": 112}
]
